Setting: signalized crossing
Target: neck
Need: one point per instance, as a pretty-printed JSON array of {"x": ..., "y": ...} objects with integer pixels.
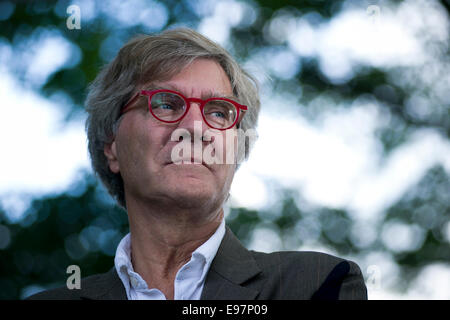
[{"x": 162, "y": 241}]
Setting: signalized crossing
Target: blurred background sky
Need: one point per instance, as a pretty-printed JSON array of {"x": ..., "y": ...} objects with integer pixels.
[{"x": 342, "y": 139}]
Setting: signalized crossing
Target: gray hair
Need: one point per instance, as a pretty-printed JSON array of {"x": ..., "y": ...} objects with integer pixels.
[{"x": 157, "y": 58}]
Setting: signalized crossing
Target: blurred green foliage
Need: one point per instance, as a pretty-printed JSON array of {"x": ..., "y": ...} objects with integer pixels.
[{"x": 82, "y": 226}]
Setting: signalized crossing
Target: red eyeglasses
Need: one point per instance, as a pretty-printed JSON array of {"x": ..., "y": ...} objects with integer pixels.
[{"x": 170, "y": 106}]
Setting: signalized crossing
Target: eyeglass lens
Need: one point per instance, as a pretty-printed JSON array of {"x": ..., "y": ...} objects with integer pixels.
[{"x": 168, "y": 106}]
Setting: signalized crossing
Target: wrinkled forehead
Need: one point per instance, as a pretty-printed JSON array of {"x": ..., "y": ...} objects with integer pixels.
[
  {"x": 158, "y": 73},
  {"x": 206, "y": 94}
]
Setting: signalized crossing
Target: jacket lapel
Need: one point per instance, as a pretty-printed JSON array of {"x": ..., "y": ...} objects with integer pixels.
[
  {"x": 232, "y": 266},
  {"x": 106, "y": 287}
]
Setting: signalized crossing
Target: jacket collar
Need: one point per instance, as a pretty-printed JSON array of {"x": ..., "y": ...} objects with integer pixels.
[
  {"x": 232, "y": 266},
  {"x": 107, "y": 286}
]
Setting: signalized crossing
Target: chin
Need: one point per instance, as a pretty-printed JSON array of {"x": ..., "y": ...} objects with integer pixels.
[
  {"x": 194, "y": 195},
  {"x": 192, "y": 187}
]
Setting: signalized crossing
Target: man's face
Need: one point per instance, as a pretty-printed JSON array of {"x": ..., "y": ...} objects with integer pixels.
[{"x": 142, "y": 148}]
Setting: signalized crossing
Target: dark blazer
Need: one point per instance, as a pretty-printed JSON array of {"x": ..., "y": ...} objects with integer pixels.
[{"x": 239, "y": 274}]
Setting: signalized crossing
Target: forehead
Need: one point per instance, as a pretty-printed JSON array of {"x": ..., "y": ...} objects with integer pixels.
[{"x": 202, "y": 77}]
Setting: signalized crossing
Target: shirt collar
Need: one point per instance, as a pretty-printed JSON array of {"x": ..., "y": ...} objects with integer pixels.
[
  {"x": 202, "y": 256},
  {"x": 209, "y": 248}
]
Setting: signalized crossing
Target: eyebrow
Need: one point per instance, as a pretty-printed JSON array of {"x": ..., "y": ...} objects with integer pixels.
[{"x": 204, "y": 95}]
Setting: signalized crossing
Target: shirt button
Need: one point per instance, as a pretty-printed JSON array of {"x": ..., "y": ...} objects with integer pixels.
[{"x": 134, "y": 282}]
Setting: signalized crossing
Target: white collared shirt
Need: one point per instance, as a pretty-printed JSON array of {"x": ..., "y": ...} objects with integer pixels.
[{"x": 189, "y": 280}]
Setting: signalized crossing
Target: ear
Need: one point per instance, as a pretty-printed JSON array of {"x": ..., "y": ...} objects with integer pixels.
[{"x": 111, "y": 155}]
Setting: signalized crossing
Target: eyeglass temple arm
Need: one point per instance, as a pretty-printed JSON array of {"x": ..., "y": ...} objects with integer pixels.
[{"x": 130, "y": 102}]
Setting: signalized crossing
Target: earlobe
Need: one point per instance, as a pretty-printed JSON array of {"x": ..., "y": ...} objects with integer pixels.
[{"x": 111, "y": 155}]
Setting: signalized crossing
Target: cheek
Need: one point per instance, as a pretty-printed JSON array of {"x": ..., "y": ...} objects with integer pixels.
[
  {"x": 223, "y": 148},
  {"x": 144, "y": 144},
  {"x": 229, "y": 171},
  {"x": 132, "y": 144},
  {"x": 230, "y": 147}
]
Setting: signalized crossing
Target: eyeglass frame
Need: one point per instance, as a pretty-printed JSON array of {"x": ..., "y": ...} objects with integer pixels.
[{"x": 188, "y": 101}]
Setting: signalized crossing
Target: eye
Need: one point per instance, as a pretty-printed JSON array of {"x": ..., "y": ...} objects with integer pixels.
[
  {"x": 164, "y": 106},
  {"x": 167, "y": 102},
  {"x": 218, "y": 114}
]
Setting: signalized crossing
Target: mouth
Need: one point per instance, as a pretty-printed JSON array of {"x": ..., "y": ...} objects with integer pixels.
[{"x": 189, "y": 161}]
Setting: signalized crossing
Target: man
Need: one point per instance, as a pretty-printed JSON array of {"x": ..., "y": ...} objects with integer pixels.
[{"x": 153, "y": 112}]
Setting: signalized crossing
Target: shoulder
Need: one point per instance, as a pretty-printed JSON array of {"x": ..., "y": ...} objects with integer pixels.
[
  {"x": 91, "y": 287},
  {"x": 313, "y": 274},
  {"x": 307, "y": 261}
]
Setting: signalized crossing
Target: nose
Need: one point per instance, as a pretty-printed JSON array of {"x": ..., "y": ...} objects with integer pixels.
[{"x": 193, "y": 121}]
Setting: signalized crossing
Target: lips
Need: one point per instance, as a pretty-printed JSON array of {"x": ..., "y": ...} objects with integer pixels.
[
  {"x": 189, "y": 160},
  {"x": 185, "y": 155}
]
